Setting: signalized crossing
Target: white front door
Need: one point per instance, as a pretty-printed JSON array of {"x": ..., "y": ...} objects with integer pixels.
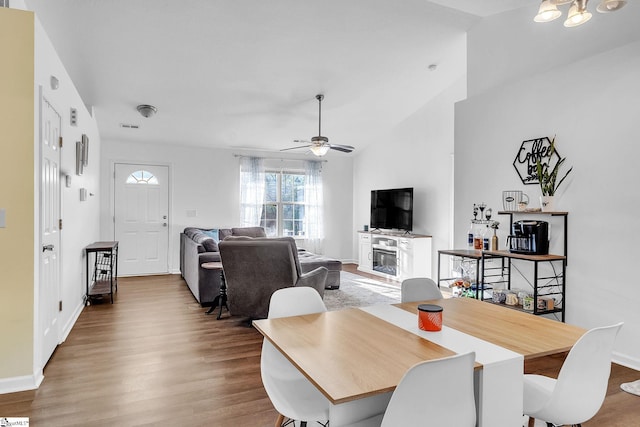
[
  {"x": 141, "y": 218},
  {"x": 49, "y": 287}
]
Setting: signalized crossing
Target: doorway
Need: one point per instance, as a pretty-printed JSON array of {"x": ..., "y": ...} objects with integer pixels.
[{"x": 141, "y": 218}]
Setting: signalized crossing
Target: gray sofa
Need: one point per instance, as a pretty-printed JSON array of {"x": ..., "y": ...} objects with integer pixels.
[{"x": 200, "y": 245}]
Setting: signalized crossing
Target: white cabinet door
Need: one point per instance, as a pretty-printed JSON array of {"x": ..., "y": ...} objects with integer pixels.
[{"x": 365, "y": 259}]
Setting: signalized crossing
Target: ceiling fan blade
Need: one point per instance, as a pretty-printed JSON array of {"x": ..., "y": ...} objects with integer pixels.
[
  {"x": 343, "y": 148},
  {"x": 302, "y": 141},
  {"x": 295, "y": 148}
]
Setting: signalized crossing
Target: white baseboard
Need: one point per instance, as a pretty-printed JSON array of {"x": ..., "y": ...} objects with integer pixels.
[
  {"x": 626, "y": 360},
  {"x": 26, "y": 382},
  {"x": 72, "y": 321}
]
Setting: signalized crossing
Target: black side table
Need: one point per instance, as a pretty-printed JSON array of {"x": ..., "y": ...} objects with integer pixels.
[
  {"x": 221, "y": 299},
  {"x": 104, "y": 277}
]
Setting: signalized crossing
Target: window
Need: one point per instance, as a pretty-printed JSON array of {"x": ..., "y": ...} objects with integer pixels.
[
  {"x": 283, "y": 202},
  {"x": 142, "y": 177},
  {"x": 283, "y": 213}
]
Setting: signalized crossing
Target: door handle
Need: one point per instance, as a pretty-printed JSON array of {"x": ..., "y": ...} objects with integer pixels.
[
  {"x": 164, "y": 217},
  {"x": 47, "y": 248},
  {"x": 164, "y": 224}
]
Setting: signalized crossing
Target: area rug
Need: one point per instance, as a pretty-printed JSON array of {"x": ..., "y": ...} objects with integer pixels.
[
  {"x": 359, "y": 291},
  {"x": 632, "y": 387}
]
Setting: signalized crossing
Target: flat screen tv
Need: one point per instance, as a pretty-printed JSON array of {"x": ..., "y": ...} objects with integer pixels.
[{"x": 392, "y": 209}]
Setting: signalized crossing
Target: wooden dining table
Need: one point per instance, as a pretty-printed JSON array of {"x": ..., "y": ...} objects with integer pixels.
[{"x": 356, "y": 357}]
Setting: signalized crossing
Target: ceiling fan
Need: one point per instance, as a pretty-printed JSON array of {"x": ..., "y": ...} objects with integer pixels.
[{"x": 319, "y": 145}]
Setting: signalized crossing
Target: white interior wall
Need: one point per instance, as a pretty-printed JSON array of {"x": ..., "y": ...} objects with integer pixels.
[
  {"x": 591, "y": 105},
  {"x": 206, "y": 180},
  {"x": 416, "y": 154},
  {"x": 79, "y": 218},
  {"x": 507, "y": 47}
]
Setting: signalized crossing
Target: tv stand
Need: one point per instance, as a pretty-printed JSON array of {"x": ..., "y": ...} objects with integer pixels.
[{"x": 394, "y": 255}]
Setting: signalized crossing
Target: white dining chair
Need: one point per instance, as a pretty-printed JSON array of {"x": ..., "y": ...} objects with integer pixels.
[
  {"x": 578, "y": 392},
  {"x": 419, "y": 289},
  {"x": 291, "y": 394},
  {"x": 432, "y": 393}
]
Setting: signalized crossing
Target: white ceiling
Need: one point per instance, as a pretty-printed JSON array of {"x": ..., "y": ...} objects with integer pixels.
[{"x": 244, "y": 73}]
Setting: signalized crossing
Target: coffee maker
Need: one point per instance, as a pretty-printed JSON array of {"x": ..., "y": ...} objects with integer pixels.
[{"x": 529, "y": 237}]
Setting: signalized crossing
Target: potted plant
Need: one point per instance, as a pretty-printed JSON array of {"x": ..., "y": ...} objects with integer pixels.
[{"x": 548, "y": 181}]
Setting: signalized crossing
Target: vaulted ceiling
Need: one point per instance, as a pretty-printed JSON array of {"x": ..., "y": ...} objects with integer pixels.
[{"x": 244, "y": 73}]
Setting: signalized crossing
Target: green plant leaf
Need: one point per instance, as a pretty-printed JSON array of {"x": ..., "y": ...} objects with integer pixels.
[{"x": 548, "y": 180}]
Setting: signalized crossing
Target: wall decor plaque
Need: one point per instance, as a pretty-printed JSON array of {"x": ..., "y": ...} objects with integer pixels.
[{"x": 529, "y": 153}]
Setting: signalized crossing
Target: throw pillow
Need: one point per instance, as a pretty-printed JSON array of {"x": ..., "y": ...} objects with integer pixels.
[
  {"x": 210, "y": 245},
  {"x": 213, "y": 233}
]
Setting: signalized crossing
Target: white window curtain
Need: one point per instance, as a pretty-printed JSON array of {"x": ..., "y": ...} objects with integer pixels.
[
  {"x": 252, "y": 178},
  {"x": 314, "y": 206}
]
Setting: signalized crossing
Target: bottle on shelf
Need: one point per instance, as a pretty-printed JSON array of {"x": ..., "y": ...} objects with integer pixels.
[
  {"x": 494, "y": 241},
  {"x": 486, "y": 237},
  {"x": 477, "y": 237},
  {"x": 470, "y": 235}
]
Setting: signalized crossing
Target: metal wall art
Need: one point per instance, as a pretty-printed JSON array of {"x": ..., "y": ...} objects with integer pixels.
[
  {"x": 82, "y": 154},
  {"x": 529, "y": 153}
]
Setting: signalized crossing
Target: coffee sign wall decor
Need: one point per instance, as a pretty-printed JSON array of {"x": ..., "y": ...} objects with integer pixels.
[{"x": 529, "y": 153}]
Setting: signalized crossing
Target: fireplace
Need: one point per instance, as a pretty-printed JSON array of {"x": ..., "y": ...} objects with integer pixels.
[{"x": 385, "y": 260}]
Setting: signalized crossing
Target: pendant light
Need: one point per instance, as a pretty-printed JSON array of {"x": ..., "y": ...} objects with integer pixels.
[
  {"x": 607, "y": 6},
  {"x": 547, "y": 12},
  {"x": 578, "y": 14}
]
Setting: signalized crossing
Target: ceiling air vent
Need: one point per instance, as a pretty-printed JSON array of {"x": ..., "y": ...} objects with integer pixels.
[{"x": 127, "y": 126}]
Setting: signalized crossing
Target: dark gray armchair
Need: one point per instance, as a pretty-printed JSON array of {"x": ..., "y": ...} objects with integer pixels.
[{"x": 254, "y": 268}]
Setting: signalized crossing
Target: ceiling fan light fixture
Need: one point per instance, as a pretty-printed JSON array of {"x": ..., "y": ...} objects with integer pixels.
[
  {"x": 319, "y": 145},
  {"x": 319, "y": 150},
  {"x": 320, "y": 140},
  {"x": 146, "y": 110}
]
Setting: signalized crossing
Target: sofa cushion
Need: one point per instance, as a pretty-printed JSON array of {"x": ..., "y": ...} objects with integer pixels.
[
  {"x": 313, "y": 261},
  {"x": 209, "y": 244},
  {"x": 203, "y": 238},
  {"x": 192, "y": 231},
  {"x": 249, "y": 231},
  {"x": 223, "y": 233}
]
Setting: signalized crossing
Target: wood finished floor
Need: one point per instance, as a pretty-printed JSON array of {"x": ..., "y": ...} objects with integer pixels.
[{"x": 154, "y": 358}]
